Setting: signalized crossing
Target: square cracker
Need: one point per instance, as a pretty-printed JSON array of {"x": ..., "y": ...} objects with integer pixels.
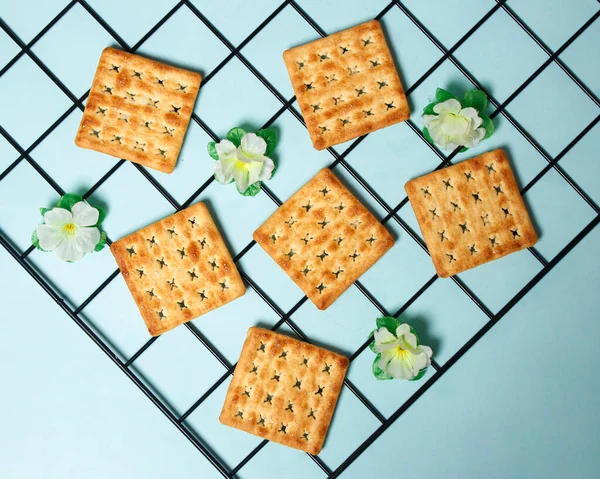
[
  {"x": 346, "y": 85},
  {"x": 138, "y": 109},
  {"x": 323, "y": 238},
  {"x": 471, "y": 213},
  {"x": 284, "y": 390},
  {"x": 178, "y": 268}
]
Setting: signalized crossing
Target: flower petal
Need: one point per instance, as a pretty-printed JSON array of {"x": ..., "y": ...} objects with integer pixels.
[
  {"x": 223, "y": 169},
  {"x": 420, "y": 361},
  {"x": 429, "y": 120},
  {"x": 474, "y": 138},
  {"x": 427, "y": 350},
  {"x": 437, "y": 135},
  {"x": 451, "y": 106},
  {"x": 49, "y": 237},
  {"x": 409, "y": 342},
  {"x": 84, "y": 214},
  {"x": 402, "y": 329},
  {"x": 472, "y": 113},
  {"x": 254, "y": 169},
  {"x": 219, "y": 174},
  {"x": 240, "y": 175},
  {"x": 267, "y": 169},
  {"x": 224, "y": 148},
  {"x": 67, "y": 250},
  {"x": 384, "y": 340},
  {"x": 397, "y": 367},
  {"x": 451, "y": 124},
  {"x": 253, "y": 145},
  {"x": 58, "y": 217},
  {"x": 86, "y": 238}
]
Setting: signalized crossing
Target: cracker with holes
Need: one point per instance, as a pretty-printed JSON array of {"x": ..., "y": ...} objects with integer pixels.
[
  {"x": 284, "y": 390},
  {"x": 178, "y": 268},
  {"x": 346, "y": 85},
  {"x": 323, "y": 238},
  {"x": 138, "y": 109},
  {"x": 471, "y": 213}
]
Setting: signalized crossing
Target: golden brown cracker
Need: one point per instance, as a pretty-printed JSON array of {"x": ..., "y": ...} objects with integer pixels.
[
  {"x": 178, "y": 269},
  {"x": 323, "y": 238},
  {"x": 346, "y": 85},
  {"x": 138, "y": 109},
  {"x": 471, "y": 213},
  {"x": 284, "y": 390}
]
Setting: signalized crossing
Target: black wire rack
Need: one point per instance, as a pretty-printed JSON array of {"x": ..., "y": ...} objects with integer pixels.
[{"x": 338, "y": 161}]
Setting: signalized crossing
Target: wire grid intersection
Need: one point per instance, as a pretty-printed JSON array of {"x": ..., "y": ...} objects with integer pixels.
[{"x": 338, "y": 161}]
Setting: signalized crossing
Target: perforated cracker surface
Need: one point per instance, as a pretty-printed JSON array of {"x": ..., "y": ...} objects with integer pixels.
[
  {"x": 346, "y": 85},
  {"x": 178, "y": 268},
  {"x": 138, "y": 109},
  {"x": 471, "y": 213},
  {"x": 284, "y": 390},
  {"x": 323, "y": 238}
]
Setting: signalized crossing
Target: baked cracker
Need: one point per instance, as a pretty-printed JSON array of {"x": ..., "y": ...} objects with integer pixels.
[
  {"x": 138, "y": 109},
  {"x": 471, "y": 213},
  {"x": 346, "y": 85},
  {"x": 284, "y": 390},
  {"x": 178, "y": 269},
  {"x": 323, "y": 238}
]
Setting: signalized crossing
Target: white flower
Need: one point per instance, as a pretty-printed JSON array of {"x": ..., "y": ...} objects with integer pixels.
[
  {"x": 245, "y": 164},
  {"x": 401, "y": 357},
  {"x": 70, "y": 233},
  {"x": 454, "y": 126}
]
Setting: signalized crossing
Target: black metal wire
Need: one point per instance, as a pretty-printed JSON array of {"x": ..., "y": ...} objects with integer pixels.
[{"x": 338, "y": 160}]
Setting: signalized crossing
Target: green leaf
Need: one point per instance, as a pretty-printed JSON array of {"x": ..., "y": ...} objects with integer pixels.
[
  {"x": 427, "y": 136},
  {"x": 102, "y": 243},
  {"x": 372, "y": 343},
  {"x": 35, "y": 241},
  {"x": 428, "y": 110},
  {"x": 443, "y": 95},
  {"x": 43, "y": 211},
  {"x": 488, "y": 124},
  {"x": 388, "y": 322},
  {"x": 101, "y": 215},
  {"x": 235, "y": 135},
  {"x": 463, "y": 149},
  {"x": 275, "y": 167},
  {"x": 420, "y": 375},
  {"x": 270, "y": 138},
  {"x": 476, "y": 99},
  {"x": 252, "y": 190},
  {"x": 68, "y": 200},
  {"x": 212, "y": 150},
  {"x": 378, "y": 372}
]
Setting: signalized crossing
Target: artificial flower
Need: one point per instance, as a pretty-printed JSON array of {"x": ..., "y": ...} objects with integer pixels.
[
  {"x": 449, "y": 124},
  {"x": 244, "y": 158},
  {"x": 70, "y": 229},
  {"x": 399, "y": 354}
]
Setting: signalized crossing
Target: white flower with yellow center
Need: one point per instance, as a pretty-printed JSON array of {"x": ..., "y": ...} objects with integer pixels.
[
  {"x": 70, "y": 234},
  {"x": 401, "y": 355},
  {"x": 245, "y": 164},
  {"x": 453, "y": 126}
]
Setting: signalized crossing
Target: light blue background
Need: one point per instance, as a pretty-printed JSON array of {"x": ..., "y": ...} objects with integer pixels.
[{"x": 521, "y": 403}]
